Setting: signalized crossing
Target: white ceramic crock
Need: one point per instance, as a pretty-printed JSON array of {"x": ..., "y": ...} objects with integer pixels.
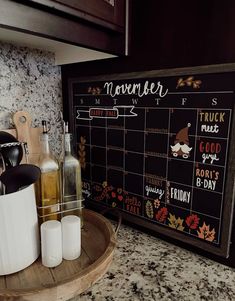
[{"x": 19, "y": 233}]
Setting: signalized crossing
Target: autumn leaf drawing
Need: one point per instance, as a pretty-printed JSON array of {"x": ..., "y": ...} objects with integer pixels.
[
  {"x": 162, "y": 215},
  {"x": 192, "y": 221},
  {"x": 190, "y": 82},
  {"x": 94, "y": 90},
  {"x": 180, "y": 83},
  {"x": 205, "y": 232},
  {"x": 176, "y": 223},
  {"x": 82, "y": 152},
  {"x": 149, "y": 209},
  {"x": 196, "y": 84},
  {"x": 157, "y": 203}
]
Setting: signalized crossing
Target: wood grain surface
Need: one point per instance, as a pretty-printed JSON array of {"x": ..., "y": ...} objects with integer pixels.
[
  {"x": 24, "y": 132},
  {"x": 70, "y": 278}
]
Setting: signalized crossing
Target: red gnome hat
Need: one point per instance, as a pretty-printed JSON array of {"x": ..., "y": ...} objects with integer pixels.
[{"x": 182, "y": 135}]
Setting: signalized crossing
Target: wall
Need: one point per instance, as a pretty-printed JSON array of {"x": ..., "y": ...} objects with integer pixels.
[{"x": 29, "y": 81}]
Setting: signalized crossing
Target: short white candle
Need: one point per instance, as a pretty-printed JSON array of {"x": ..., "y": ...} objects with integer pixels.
[
  {"x": 71, "y": 237},
  {"x": 51, "y": 243}
]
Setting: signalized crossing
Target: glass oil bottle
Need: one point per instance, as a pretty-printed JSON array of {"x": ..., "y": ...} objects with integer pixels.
[
  {"x": 71, "y": 179},
  {"x": 48, "y": 187}
]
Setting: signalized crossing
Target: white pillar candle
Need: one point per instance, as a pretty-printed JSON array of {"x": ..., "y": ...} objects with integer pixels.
[
  {"x": 51, "y": 243},
  {"x": 71, "y": 237}
]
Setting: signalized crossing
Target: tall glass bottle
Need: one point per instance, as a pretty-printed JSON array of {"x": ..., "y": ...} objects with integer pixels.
[
  {"x": 71, "y": 179},
  {"x": 48, "y": 186}
]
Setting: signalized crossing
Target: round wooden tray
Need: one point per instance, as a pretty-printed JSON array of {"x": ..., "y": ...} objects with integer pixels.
[{"x": 70, "y": 278}]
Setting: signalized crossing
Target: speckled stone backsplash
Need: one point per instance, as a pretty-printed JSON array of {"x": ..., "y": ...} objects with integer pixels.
[{"x": 29, "y": 81}]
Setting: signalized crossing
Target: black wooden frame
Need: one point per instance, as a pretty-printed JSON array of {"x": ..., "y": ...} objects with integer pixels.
[{"x": 225, "y": 254}]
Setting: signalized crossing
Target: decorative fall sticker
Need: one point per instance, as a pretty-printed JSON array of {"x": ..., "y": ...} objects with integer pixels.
[
  {"x": 157, "y": 203},
  {"x": 181, "y": 146},
  {"x": 192, "y": 221},
  {"x": 115, "y": 195},
  {"x": 149, "y": 209},
  {"x": 103, "y": 191},
  {"x": 82, "y": 152},
  {"x": 162, "y": 214},
  {"x": 176, "y": 223},
  {"x": 205, "y": 232},
  {"x": 94, "y": 90},
  {"x": 190, "y": 82}
]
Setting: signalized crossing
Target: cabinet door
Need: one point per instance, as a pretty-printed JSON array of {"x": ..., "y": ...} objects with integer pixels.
[
  {"x": 105, "y": 13},
  {"x": 111, "y": 11},
  {"x": 63, "y": 23}
]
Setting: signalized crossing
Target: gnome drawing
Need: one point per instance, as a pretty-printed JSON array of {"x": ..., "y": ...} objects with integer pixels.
[{"x": 181, "y": 147}]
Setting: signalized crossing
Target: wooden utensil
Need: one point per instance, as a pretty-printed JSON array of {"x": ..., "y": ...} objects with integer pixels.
[{"x": 25, "y": 133}]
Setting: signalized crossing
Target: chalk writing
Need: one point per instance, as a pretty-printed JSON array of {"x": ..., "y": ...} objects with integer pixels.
[{"x": 135, "y": 89}]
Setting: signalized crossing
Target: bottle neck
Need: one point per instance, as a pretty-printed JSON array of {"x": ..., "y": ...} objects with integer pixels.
[
  {"x": 67, "y": 143},
  {"x": 45, "y": 144}
]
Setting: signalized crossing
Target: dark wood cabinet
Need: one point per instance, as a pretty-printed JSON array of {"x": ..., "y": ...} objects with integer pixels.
[
  {"x": 167, "y": 34},
  {"x": 110, "y": 14},
  {"x": 94, "y": 24}
]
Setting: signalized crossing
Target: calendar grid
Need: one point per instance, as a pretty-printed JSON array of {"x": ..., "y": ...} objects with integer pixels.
[{"x": 163, "y": 161}]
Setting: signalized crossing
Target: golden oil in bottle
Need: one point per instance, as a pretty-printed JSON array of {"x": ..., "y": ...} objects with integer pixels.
[{"x": 48, "y": 186}]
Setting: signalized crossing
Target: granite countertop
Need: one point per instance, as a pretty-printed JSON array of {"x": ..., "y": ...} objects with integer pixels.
[{"x": 146, "y": 268}]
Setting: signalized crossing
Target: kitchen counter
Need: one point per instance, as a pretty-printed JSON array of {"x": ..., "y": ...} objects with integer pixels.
[{"x": 146, "y": 268}]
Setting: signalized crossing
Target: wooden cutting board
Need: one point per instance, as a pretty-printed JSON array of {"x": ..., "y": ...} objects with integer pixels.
[{"x": 24, "y": 132}]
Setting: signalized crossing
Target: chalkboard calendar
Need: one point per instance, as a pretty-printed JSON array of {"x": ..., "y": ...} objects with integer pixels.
[{"x": 158, "y": 148}]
